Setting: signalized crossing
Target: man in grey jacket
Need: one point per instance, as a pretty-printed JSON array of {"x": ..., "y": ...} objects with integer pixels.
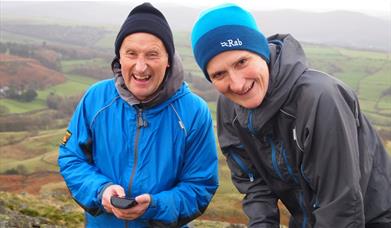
[{"x": 290, "y": 133}]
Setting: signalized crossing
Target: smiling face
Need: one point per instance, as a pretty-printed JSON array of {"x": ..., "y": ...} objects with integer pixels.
[
  {"x": 241, "y": 76},
  {"x": 144, "y": 61}
]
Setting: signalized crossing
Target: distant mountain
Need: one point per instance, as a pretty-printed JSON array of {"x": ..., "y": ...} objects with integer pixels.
[{"x": 340, "y": 28}]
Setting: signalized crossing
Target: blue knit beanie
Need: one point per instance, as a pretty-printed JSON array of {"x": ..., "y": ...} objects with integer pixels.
[{"x": 224, "y": 28}]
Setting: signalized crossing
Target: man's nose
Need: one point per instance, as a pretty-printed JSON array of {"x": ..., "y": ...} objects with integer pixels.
[
  {"x": 141, "y": 65},
  {"x": 237, "y": 82}
]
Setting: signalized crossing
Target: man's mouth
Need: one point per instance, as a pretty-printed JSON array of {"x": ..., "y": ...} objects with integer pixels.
[
  {"x": 246, "y": 90},
  {"x": 142, "y": 77}
]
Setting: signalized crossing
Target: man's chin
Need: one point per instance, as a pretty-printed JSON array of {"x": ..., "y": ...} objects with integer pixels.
[{"x": 250, "y": 104}]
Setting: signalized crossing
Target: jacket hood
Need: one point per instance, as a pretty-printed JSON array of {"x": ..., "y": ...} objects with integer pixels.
[
  {"x": 287, "y": 64},
  {"x": 171, "y": 83}
]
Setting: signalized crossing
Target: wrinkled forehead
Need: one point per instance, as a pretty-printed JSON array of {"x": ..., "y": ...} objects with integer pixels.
[{"x": 143, "y": 40}]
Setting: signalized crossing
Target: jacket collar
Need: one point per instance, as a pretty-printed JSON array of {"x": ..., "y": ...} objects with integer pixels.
[{"x": 287, "y": 64}]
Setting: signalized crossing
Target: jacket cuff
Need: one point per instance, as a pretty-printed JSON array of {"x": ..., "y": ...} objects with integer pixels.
[
  {"x": 152, "y": 209},
  {"x": 100, "y": 194}
]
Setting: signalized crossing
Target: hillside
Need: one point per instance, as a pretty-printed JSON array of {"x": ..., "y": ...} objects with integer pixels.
[
  {"x": 25, "y": 72},
  {"x": 53, "y": 209}
]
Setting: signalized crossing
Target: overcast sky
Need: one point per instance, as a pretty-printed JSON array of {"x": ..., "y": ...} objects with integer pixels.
[
  {"x": 380, "y": 8},
  {"x": 373, "y": 7}
]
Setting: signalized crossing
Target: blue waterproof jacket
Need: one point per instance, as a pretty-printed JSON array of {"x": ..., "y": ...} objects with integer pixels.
[{"x": 167, "y": 151}]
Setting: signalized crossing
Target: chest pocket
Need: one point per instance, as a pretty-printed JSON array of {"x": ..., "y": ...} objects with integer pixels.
[{"x": 281, "y": 161}]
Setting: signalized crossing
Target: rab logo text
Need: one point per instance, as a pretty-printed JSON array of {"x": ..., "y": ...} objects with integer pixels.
[{"x": 231, "y": 43}]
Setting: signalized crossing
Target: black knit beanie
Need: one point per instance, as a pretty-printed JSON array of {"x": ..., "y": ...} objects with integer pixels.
[{"x": 146, "y": 18}]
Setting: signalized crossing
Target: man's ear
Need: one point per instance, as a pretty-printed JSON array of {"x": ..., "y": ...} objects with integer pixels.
[{"x": 115, "y": 64}]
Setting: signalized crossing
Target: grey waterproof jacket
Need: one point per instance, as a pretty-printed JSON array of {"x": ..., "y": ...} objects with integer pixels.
[{"x": 308, "y": 145}]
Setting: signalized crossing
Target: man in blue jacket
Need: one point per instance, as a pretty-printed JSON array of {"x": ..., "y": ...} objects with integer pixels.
[{"x": 143, "y": 134}]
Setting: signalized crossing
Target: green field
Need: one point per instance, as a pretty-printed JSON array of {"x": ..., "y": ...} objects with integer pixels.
[
  {"x": 68, "y": 65},
  {"x": 34, "y": 151},
  {"x": 22, "y": 107},
  {"x": 107, "y": 42},
  {"x": 74, "y": 85}
]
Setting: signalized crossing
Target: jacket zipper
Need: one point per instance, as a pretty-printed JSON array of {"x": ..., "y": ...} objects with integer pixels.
[
  {"x": 242, "y": 165},
  {"x": 274, "y": 159},
  {"x": 139, "y": 123},
  {"x": 288, "y": 166},
  {"x": 305, "y": 216}
]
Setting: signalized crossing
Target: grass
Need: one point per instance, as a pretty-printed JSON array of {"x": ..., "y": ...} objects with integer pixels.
[
  {"x": 22, "y": 107},
  {"x": 388, "y": 147},
  {"x": 35, "y": 153},
  {"x": 364, "y": 54},
  {"x": 53, "y": 187},
  {"x": 31, "y": 165},
  {"x": 53, "y": 211},
  {"x": 107, "y": 41},
  {"x": 75, "y": 85},
  {"x": 372, "y": 86},
  {"x": 68, "y": 65},
  {"x": 48, "y": 140},
  {"x": 378, "y": 120},
  {"x": 384, "y": 104},
  {"x": 7, "y": 138},
  {"x": 212, "y": 109}
]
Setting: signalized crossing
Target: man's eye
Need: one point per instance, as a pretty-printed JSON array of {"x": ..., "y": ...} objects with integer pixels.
[
  {"x": 153, "y": 55},
  {"x": 217, "y": 76},
  {"x": 242, "y": 62},
  {"x": 131, "y": 54}
]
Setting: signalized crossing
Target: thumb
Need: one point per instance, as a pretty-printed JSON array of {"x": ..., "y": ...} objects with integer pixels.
[
  {"x": 117, "y": 190},
  {"x": 144, "y": 198}
]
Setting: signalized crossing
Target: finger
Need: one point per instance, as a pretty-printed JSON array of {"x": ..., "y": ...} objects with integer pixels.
[
  {"x": 123, "y": 214},
  {"x": 143, "y": 199},
  {"x": 108, "y": 193},
  {"x": 118, "y": 191}
]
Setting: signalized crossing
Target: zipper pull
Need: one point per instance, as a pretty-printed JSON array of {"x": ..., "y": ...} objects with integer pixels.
[
  {"x": 295, "y": 138},
  {"x": 294, "y": 134},
  {"x": 251, "y": 176},
  {"x": 140, "y": 122}
]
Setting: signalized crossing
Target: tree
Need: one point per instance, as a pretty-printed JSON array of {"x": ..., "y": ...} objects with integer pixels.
[
  {"x": 28, "y": 95},
  {"x": 53, "y": 101}
]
